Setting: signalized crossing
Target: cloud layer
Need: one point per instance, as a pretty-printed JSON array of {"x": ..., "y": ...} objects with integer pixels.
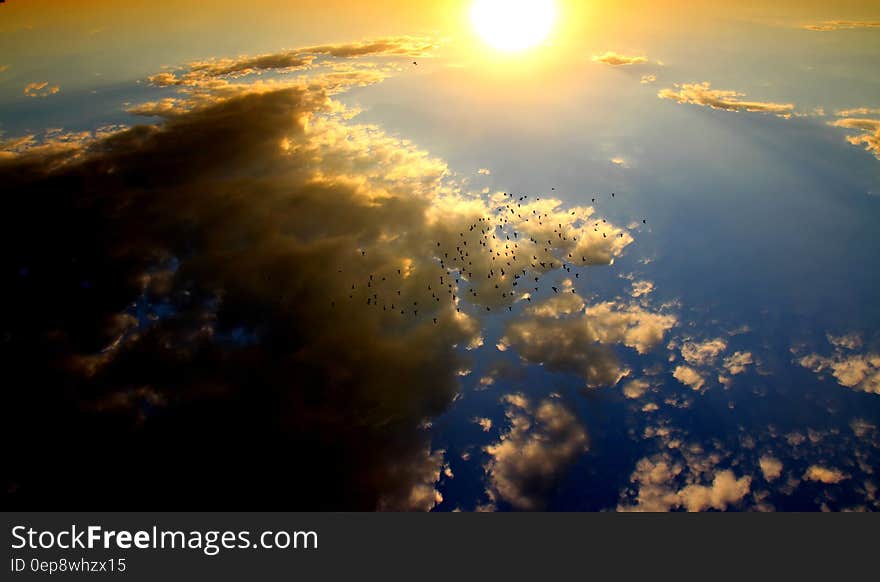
[{"x": 252, "y": 297}]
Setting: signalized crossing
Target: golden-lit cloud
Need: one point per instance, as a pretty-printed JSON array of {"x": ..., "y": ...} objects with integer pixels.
[
  {"x": 702, "y": 353},
  {"x": 642, "y": 288},
  {"x": 832, "y": 25},
  {"x": 648, "y": 79},
  {"x": 738, "y": 363},
  {"x": 617, "y": 60},
  {"x": 657, "y": 482},
  {"x": 636, "y": 388},
  {"x": 689, "y": 377},
  {"x": 869, "y": 128},
  {"x": 257, "y": 253},
  {"x": 851, "y": 369},
  {"x": 484, "y": 423},
  {"x": 564, "y": 335},
  {"x": 726, "y": 100},
  {"x": 829, "y": 476},
  {"x": 208, "y": 72},
  {"x": 771, "y": 467},
  {"x": 531, "y": 457},
  {"x": 858, "y": 111},
  {"x": 40, "y": 89}
]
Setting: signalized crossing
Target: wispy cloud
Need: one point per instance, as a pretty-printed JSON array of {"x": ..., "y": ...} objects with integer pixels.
[
  {"x": 40, "y": 89},
  {"x": 727, "y": 100},
  {"x": 831, "y": 25},
  {"x": 203, "y": 72},
  {"x": 869, "y": 128}
]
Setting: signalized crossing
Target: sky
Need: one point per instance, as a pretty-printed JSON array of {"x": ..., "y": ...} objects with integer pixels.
[{"x": 370, "y": 256}]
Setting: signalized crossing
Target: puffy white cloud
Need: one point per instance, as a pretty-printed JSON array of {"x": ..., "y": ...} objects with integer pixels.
[
  {"x": 738, "y": 362},
  {"x": 771, "y": 467},
  {"x": 531, "y": 457},
  {"x": 689, "y": 377},
  {"x": 859, "y": 371},
  {"x": 636, "y": 388},
  {"x": 826, "y": 475},
  {"x": 558, "y": 335},
  {"x": 658, "y": 491},
  {"x": 702, "y": 353}
]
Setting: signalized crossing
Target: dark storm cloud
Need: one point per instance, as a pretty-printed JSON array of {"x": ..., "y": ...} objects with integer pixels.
[
  {"x": 265, "y": 225},
  {"x": 251, "y": 300}
]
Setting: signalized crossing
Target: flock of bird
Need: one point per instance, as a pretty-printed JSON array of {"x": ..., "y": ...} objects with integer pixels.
[{"x": 515, "y": 264}]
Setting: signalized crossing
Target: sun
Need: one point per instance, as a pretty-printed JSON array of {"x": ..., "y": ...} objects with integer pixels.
[{"x": 513, "y": 25}]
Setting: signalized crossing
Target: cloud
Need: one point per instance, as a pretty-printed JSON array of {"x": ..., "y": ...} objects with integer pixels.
[
  {"x": 859, "y": 371},
  {"x": 702, "y": 354},
  {"x": 648, "y": 79},
  {"x": 253, "y": 268},
  {"x": 689, "y": 377},
  {"x": 533, "y": 455},
  {"x": 824, "y": 475},
  {"x": 40, "y": 89},
  {"x": 869, "y": 128},
  {"x": 738, "y": 362},
  {"x": 832, "y": 25},
  {"x": 616, "y": 60},
  {"x": 485, "y": 423},
  {"x": 704, "y": 94},
  {"x": 199, "y": 73},
  {"x": 725, "y": 489},
  {"x": 636, "y": 388},
  {"x": 564, "y": 336},
  {"x": 657, "y": 489},
  {"x": 771, "y": 467},
  {"x": 857, "y": 111},
  {"x": 484, "y": 171}
]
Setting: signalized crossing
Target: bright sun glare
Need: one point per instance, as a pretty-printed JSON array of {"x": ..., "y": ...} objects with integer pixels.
[{"x": 513, "y": 25}]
